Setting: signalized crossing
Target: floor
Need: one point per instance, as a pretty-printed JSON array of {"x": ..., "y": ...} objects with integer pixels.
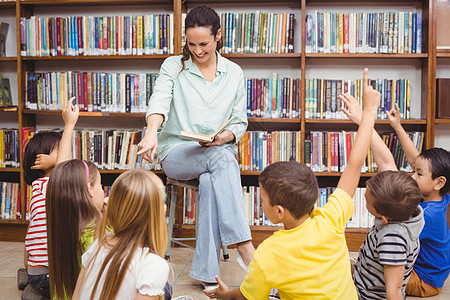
[{"x": 11, "y": 259}]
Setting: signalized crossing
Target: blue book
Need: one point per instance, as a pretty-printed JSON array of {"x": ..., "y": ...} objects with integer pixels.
[
  {"x": 323, "y": 197},
  {"x": 43, "y": 38},
  {"x": 261, "y": 139},
  {"x": 414, "y": 33},
  {"x": 333, "y": 33},
  {"x": 419, "y": 33},
  {"x": 249, "y": 97},
  {"x": 254, "y": 153}
]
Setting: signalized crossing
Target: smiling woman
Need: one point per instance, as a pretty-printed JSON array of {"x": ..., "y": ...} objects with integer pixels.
[{"x": 199, "y": 91}]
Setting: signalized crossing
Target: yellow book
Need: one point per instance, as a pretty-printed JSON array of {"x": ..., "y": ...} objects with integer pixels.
[
  {"x": 140, "y": 37},
  {"x": 341, "y": 33}
]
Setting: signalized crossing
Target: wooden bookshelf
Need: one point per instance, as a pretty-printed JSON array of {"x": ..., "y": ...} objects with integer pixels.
[{"x": 298, "y": 60}]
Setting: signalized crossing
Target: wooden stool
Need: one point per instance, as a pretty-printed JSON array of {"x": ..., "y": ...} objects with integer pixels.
[{"x": 172, "y": 191}]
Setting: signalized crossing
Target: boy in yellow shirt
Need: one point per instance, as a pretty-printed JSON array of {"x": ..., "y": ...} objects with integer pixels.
[{"x": 309, "y": 258}]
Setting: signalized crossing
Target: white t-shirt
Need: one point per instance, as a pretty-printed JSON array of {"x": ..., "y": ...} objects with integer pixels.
[{"x": 147, "y": 274}]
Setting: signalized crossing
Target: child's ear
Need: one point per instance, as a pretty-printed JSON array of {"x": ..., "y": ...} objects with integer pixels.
[
  {"x": 385, "y": 219},
  {"x": 439, "y": 182},
  {"x": 89, "y": 188},
  {"x": 280, "y": 212}
]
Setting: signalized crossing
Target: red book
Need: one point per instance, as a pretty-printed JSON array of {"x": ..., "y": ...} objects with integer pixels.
[
  {"x": 85, "y": 91},
  {"x": 348, "y": 140},
  {"x": 269, "y": 148},
  {"x": 58, "y": 36},
  {"x": 80, "y": 36},
  {"x": 346, "y": 39},
  {"x": 80, "y": 95},
  {"x": 108, "y": 35}
]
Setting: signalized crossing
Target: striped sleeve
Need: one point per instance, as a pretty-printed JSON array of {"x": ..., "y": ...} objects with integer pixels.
[{"x": 392, "y": 249}]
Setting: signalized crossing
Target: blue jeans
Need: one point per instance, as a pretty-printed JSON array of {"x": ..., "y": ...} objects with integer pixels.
[{"x": 221, "y": 217}]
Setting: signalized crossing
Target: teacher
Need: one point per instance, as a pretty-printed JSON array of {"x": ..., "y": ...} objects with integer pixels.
[{"x": 199, "y": 91}]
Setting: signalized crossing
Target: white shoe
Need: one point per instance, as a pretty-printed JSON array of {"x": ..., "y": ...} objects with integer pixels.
[
  {"x": 241, "y": 262},
  {"x": 185, "y": 297}
]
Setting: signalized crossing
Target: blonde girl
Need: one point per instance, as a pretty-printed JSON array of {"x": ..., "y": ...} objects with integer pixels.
[{"x": 128, "y": 263}]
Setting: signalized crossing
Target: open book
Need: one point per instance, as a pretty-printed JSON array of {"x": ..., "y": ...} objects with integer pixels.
[{"x": 203, "y": 137}]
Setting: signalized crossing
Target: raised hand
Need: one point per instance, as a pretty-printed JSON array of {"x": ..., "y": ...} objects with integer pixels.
[
  {"x": 353, "y": 110},
  {"x": 394, "y": 117},
  {"x": 70, "y": 113},
  {"x": 371, "y": 97}
]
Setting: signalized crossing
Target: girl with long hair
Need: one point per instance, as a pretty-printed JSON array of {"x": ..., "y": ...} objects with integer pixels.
[
  {"x": 74, "y": 201},
  {"x": 128, "y": 263}
]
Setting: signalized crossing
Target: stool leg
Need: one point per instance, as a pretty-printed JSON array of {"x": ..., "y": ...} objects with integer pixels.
[
  {"x": 173, "y": 201},
  {"x": 226, "y": 256}
]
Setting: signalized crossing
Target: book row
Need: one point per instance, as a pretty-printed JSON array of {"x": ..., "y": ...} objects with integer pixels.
[
  {"x": 94, "y": 91},
  {"x": 322, "y": 96},
  {"x": 258, "y": 149},
  {"x": 9, "y": 148},
  {"x": 329, "y": 151},
  {"x": 382, "y": 32},
  {"x": 9, "y": 201},
  {"x": 258, "y": 32},
  {"x": 111, "y": 149},
  {"x": 89, "y": 35},
  {"x": 273, "y": 97},
  {"x": 255, "y": 215},
  {"x": 361, "y": 218}
]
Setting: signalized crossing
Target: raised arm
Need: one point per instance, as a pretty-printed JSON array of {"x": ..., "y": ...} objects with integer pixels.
[
  {"x": 70, "y": 117},
  {"x": 150, "y": 140},
  {"x": 381, "y": 154},
  {"x": 408, "y": 146},
  {"x": 350, "y": 178}
]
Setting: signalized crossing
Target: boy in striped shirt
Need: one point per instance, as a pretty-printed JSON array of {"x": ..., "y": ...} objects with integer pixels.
[{"x": 390, "y": 249}]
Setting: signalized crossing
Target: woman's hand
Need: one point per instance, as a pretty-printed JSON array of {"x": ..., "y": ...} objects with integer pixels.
[
  {"x": 148, "y": 143},
  {"x": 222, "y": 138}
]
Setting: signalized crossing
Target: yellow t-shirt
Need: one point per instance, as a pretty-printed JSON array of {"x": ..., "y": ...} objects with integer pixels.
[{"x": 310, "y": 261}]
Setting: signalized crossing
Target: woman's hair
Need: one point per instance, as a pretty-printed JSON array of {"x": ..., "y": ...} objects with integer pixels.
[
  {"x": 396, "y": 194},
  {"x": 439, "y": 162},
  {"x": 40, "y": 143},
  {"x": 70, "y": 210},
  {"x": 136, "y": 215},
  {"x": 201, "y": 16}
]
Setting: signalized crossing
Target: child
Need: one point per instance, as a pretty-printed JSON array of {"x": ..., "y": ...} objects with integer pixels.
[
  {"x": 75, "y": 187},
  {"x": 431, "y": 171},
  {"x": 309, "y": 258},
  {"x": 49, "y": 144},
  {"x": 128, "y": 264},
  {"x": 392, "y": 245}
]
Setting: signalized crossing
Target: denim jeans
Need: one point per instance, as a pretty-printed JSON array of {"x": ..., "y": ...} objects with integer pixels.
[{"x": 221, "y": 217}]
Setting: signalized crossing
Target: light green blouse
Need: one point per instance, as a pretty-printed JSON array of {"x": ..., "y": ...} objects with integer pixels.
[{"x": 188, "y": 102}]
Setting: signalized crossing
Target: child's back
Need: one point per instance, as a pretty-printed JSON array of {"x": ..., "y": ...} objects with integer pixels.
[{"x": 310, "y": 261}]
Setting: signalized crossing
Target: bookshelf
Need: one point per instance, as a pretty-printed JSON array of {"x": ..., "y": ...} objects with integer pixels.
[{"x": 420, "y": 67}]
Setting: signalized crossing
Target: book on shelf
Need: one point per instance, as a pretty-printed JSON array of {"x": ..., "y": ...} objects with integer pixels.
[
  {"x": 10, "y": 201},
  {"x": 322, "y": 101},
  {"x": 97, "y": 35},
  {"x": 3, "y": 35},
  {"x": 94, "y": 91},
  {"x": 258, "y": 149},
  {"x": 5, "y": 93},
  {"x": 9, "y": 148},
  {"x": 258, "y": 32},
  {"x": 365, "y": 32},
  {"x": 327, "y": 151},
  {"x": 443, "y": 98},
  {"x": 205, "y": 138},
  {"x": 273, "y": 97}
]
